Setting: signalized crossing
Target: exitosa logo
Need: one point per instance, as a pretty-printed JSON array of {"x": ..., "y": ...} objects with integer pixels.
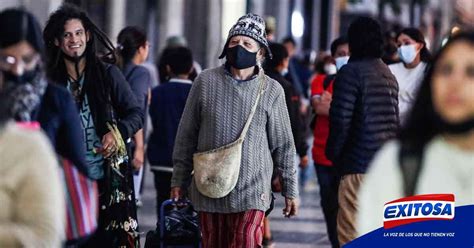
[{"x": 418, "y": 208}]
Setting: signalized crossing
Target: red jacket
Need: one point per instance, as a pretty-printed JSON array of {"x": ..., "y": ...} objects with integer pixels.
[{"x": 321, "y": 127}]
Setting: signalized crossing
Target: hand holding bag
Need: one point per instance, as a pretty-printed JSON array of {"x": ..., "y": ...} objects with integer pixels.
[{"x": 216, "y": 171}]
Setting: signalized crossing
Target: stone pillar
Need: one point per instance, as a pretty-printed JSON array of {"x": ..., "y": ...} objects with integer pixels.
[
  {"x": 203, "y": 20},
  {"x": 279, "y": 10},
  {"x": 335, "y": 21},
  {"x": 171, "y": 20},
  {"x": 152, "y": 29},
  {"x": 214, "y": 34},
  {"x": 316, "y": 25},
  {"x": 116, "y": 12},
  {"x": 40, "y": 8},
  {"x": 257, "y": 6}
]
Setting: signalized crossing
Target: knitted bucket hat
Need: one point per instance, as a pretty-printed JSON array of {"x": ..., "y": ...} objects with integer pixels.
[{"x": 250, "y": 25}]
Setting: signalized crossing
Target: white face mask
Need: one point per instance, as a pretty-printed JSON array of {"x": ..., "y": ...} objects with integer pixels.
[
  {"x": 407, "y": 53},
  {"x": 284, "y": 72},
  {"x": 340, "y": 61},
  {"x": 330, "y": 69}
]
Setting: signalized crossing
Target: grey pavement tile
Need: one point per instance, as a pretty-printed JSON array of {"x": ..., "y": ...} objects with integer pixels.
[
  {"x": 297, "y": 237},
  {"x": 302, "y": 227}
]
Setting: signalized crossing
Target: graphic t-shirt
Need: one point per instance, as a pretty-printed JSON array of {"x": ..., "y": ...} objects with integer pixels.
[{"x": 95, "y": 160}]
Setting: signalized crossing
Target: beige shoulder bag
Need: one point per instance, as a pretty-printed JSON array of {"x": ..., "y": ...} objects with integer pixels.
[{"x": 216, "y": 171}]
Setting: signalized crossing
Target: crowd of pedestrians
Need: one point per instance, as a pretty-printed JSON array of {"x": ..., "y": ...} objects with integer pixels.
[{"x": 73, "y": 129}]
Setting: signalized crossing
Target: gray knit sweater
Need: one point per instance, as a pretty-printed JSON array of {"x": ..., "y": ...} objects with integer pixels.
[{"x": 216, "y": 111}]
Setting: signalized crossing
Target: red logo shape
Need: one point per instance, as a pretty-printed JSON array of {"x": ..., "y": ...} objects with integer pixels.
[{"x": 418, "y": 208}]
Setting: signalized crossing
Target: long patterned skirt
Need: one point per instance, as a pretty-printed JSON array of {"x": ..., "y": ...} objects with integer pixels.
[{"x": 118, "y": 225}]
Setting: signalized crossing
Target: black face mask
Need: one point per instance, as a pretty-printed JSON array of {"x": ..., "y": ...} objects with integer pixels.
[
  {"x": 27, "y": 76},
  {"x": 455, "y": 128},
  {"x": 23, "y": 93},
  {"x": 239, "y": 58}
]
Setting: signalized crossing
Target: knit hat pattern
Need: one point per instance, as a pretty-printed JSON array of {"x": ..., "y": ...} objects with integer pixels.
[{"x": 250, "y": 25}]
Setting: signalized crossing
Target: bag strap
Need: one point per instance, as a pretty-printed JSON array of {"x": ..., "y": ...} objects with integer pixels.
[
  {"x": 327, "y": 81},
  {"x": 254, "y": 108}
]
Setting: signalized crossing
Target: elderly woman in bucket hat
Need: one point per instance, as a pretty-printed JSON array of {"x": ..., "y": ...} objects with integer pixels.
[{"x": 235, "y": 103}]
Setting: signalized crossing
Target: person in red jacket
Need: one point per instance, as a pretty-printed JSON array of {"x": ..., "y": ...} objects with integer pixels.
[{"x": 321, "y": 92}]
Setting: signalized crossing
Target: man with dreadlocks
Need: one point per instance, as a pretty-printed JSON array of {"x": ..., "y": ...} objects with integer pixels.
[{"x": 109, "y": 114}]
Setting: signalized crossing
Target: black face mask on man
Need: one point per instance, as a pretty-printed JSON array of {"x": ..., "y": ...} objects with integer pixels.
[{"x": 239, "y": 58}]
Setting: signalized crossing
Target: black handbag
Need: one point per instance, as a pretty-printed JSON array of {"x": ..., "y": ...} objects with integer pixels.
[
  {"x": 178, "y": 225},
  {"x": 181, "y": 223}
]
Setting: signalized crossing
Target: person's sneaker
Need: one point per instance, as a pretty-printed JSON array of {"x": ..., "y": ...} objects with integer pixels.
[{"x": 268, "y": 243}]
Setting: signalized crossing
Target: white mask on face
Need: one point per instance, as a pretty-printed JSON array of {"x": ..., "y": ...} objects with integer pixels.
[
  {"x": 340, "y": 61},
  {"x": 284, "y": 72},
  {"x": 330, "y": 69},
  {"x": 407, "y": 53}
]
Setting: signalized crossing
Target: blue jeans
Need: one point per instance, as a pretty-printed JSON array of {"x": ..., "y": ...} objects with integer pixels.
[{"x": 328, "y": 181}]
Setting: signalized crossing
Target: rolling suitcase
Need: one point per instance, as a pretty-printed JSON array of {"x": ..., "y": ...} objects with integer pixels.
[{"x": 178, "y": 226}]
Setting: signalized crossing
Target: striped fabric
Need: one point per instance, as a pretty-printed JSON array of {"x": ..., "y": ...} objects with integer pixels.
[
  {"x": 81, "y": 202},
  {"x": 233, "y": 230}
]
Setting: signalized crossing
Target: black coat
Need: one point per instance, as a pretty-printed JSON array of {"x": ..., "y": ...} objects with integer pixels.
[
  {"x": 363, "y": 114},
  {"x": 59, "y": 119},
  {"x": 118, "y": 103},
  {"x": 292, "y": 99}
]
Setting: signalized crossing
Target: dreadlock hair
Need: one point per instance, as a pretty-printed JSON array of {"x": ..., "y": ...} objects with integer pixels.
[{"x": 54, "y": 31}]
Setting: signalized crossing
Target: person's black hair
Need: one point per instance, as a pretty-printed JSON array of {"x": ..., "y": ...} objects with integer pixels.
[
  {"x": 365, "y": 38},
  {"x": 129, "y": 40},
  {"x": 161, "y": 63},
  {"x": 422, "y": 123},
  {"x": 338, "y": 42},
  {"x": 279, "y": 53},
  {"x": 179, "y": 59},
  {"x": 95, "y": 69},
  {"x": 320, "y": 63},
  {"x": 19, "y": 25},
  {"x": 417, "y": 36},
  {"x": 288, "y": 39},
  {"x": 319, "y": 66},
  {"x": 390, "y": 50}
]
